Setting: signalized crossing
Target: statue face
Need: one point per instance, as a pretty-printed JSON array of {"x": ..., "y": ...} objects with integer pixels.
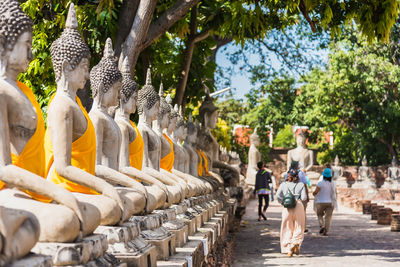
[
  {"x": 301, "y": 141},
  {"x": 255, "y": 140},
  {"x": 172, "y": 124},
  {"x": 152, "y": 113},
  {"x": 164, "y": 121},
  {"x": 130, "y": 106},
  {"x": 184, "y": 133},
  {"x": 213, "y": 119},
  {"x": 110, "y": 98},
  {"x": 364, "y": 162},
  {"x": 21, "y": 54},
  {"x": 77, "y": 77},
  {"x": 179, "y": 132}
]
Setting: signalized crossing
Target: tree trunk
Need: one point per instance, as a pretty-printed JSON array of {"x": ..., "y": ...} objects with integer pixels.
[
  {"x": 193, "y": 38},
  {"x": 142, "y": 34},
  {"x": 138, "y": 31},
  {"x": 125, "y": 19}
]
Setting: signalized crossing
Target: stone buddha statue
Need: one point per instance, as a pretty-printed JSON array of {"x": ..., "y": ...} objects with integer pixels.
[
  {"x": 106, "y": 81},
  {"x": 207, "y": 143},
  {"x": 301, "y": 154},
  {"x": 28, "y": 215},
  {"x": 193, "y": 184},
  {"x": 131, "y": 145},
  {"x": 70, "y": 140},
  {"x": 394, "y": 171},
  {"x": 148, "y": 108},
  {"x": 363, "y": 171},
  {"x": 167, "y": 152},
  {"x": 392, "y": 181},
  {"x": 254, "y": 157},
  {"x": 189, "y": 145},
  {"x": 336, "y": 169}
]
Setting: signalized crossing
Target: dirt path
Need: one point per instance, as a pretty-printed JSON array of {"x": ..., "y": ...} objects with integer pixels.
[{"x": 354, "y": 240}]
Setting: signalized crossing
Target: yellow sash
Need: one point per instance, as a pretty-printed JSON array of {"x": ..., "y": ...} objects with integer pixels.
[
  {"x": 167, "y": 162},
  {"x": 136, "y": 149},
  {"x": 83, "y": 156},
  {"x": 200, "y": 165},
  {"x": 32, "y": 156},
  {"x": 205, "y": 163}
]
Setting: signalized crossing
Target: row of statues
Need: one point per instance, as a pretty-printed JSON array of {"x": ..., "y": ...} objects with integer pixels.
[{"x": 89, "y": 169}]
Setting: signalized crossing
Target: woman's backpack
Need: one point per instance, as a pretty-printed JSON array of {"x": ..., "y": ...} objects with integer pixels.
[{"x": 289, "y": 200}]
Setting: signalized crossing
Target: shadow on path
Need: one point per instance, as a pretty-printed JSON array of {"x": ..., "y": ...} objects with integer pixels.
[{"x": 354, "y": 240}]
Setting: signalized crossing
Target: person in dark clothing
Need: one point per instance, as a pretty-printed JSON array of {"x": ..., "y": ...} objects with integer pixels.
[{"x": 262, "y": 189}]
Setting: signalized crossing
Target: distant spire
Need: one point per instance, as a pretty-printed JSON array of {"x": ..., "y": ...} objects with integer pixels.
[
  {"x": 108, "y": 49},
  {"x": 72, "y": 20},
  {"x": 176, "y": 108},
  {"x": 161, "y": 92},
  {"x": 126, "y": 68},
  {"x": 180, "y": 111},
  {"x": 168, "y": 99},
  {"x": 148, "y": 77}
]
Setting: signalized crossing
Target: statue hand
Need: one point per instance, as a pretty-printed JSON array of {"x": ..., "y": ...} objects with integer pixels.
[{"x": 109, "y": 191}]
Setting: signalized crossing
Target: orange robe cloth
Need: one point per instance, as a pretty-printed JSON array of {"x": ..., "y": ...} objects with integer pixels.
[
  {"x": 136, "y": 150},
  {"x": 32, "y": 157},
  {"x": 83, "y": 156},
  {"x": 207, "y": 173},
  {"x": 167, "y": 162},
  {"x": 200, "y": 164}
]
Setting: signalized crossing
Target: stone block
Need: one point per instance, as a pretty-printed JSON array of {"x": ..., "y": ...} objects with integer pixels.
[
  {"x": 213, "y": 228},
  {"x": 165, "y": 247},
  {"x": 192, "y": 252},
  {"x": 206, "y": 238},
  {"x": 172, "y": 262},
  {"x": 147, "y": 258},
  {"x": 115, "y": 234},
  {"x": 89, "y": 248},
  {"x": 33, "y": 260},
  {"x": 181, "y": 235}
]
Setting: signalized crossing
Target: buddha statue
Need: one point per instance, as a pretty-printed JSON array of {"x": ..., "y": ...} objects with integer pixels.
[
  {"x": 167, "y": 152},
  {"x": 148, "y": 105},
  {"x": 394, "y": 171},
  {"x": 30, "y": 214},
  {"x": 182, "y": 157},
  {"x": 131, "y": 145},
  {"x": 364, "y": 179},
  {"x": 189, "y": 145},
  {"x": 70, "y": 141},
  {"x": 336, "y": 169},
  {"x": 209, "y": 145},
  {"x": 301, "y": 154},
  {"x": 106, "y": 82},
  {"x": 193, "y": 184},
  {"x": 254, "y": 157}
]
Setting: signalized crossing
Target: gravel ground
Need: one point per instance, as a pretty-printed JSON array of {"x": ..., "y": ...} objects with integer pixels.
[{"x": 354, "y": 240}]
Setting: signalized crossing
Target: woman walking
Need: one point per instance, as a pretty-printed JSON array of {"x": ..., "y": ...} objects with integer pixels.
[
  {"x": 291, "y": 194},
  {"x": 262, "y": 189},
  {"x": 325, "y": 198}
]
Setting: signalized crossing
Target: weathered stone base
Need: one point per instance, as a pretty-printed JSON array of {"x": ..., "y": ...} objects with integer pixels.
[
  {"x": 146, "y": 258},
  {"x": 33, "y": 260},
  {"x": 181, "y": 235},
  {"x": 165, "y": 247},
  {"x": 64, "y": 254}
]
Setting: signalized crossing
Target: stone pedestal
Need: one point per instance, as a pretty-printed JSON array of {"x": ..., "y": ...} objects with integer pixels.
[
  {"x": 146, "y": 257},
  {"x": 33, "y": 260},
  {"x": 89, "y": 249}
]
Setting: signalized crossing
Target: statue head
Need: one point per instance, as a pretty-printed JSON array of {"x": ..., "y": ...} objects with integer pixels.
[
  {"x": 105, "y": 78},
  {"x": 301, "y": 139},
  {"x": 191, "y": 130},
  {"x": 173, "y": 115},
  {"x": 394, "y": 162},
  {"x": 129, "y": 89},
  {"x": 254, "y": 138},
  {"x": 337, "y": 160},
  {"x": 208, "y": 113},
  {"x": 364, "y": 161},
  {"x": 180, "y": 128},
  {"x": 70, "y": 54},
  {"x": 15, "y": 37},
  {"x": 165, "y": 109},
  {"x": 148, "y": 102}
]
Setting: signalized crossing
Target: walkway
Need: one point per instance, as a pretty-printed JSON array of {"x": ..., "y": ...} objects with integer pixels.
[{"x": 354, "y": 240}]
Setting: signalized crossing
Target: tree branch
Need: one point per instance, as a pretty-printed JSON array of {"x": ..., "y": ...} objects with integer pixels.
[
  {"x": 304, "y": 11},
  {"x": 166, "y": 20},
  {"x": 125, "y": 19}
]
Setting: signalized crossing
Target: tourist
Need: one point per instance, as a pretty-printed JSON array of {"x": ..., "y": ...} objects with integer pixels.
[
  {"x": 262, "y": 189},
  {"x": 293, "y": 219},
  {"x": 325, "y": 198}
]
